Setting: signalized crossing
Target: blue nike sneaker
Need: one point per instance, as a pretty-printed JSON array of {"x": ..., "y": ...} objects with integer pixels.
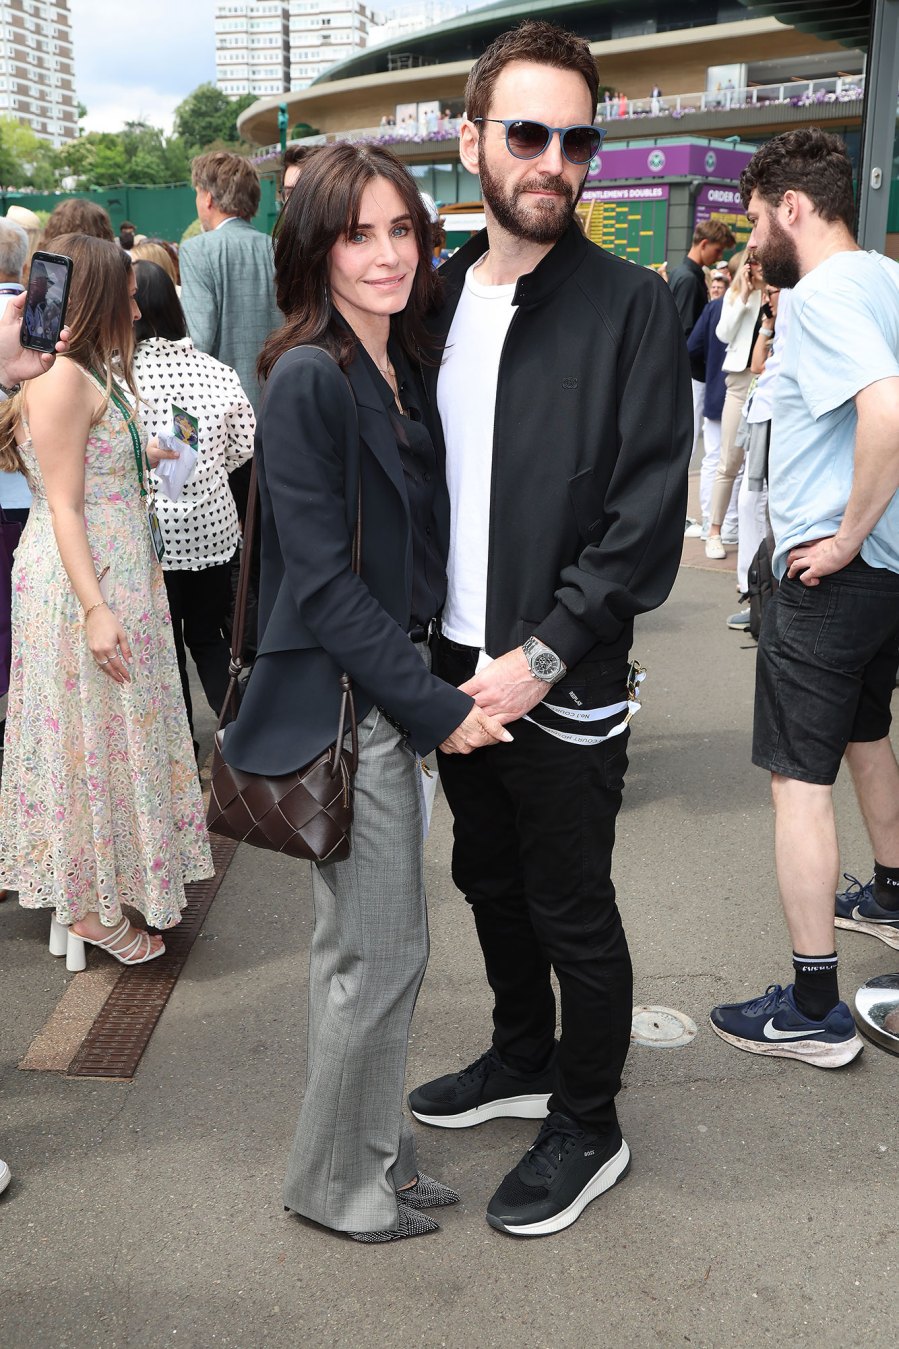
[
  {"x": 773, "y": 1024},
  {"x": 858, "y": 911}
]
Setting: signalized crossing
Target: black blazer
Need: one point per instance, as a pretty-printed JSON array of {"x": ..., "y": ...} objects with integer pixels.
[{"x": 316, "y": 617}]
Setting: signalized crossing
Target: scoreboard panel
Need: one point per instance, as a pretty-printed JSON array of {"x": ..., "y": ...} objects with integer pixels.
[{"x": 628, "y": 226}]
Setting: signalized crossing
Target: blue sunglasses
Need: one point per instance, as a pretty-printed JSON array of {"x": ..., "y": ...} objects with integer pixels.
[{"x": 527, "y": 140}]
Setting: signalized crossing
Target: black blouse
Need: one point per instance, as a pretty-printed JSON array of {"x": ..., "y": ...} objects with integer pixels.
[{"x": 419, "y": 462}]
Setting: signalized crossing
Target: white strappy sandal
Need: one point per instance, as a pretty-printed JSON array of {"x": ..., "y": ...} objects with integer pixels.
[{"x": 66, "y": 942}]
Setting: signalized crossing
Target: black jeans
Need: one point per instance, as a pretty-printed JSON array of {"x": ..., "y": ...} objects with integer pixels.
[
  {"x": 534, "y": 828},
  {"x": 199, "y": 602},
  {"x": 826, "y": 670}
]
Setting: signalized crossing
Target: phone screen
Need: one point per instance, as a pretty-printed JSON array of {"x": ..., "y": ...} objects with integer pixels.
[{"x": 45, "y": 303}]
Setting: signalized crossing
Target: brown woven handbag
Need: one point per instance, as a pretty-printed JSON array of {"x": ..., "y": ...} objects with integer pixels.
[{"x": 307, "y": 813}]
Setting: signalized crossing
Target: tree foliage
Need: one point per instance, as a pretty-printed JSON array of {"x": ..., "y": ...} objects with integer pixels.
[
  {"x": 207, "y": 117},
  {"x": 138, "y": 155},
  {"x": 25, "y": 159}
]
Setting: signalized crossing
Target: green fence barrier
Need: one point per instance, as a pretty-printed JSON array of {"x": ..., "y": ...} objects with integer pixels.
[
  {"x": 158, "y": 212},
  {"x": 166, "y": 212}
]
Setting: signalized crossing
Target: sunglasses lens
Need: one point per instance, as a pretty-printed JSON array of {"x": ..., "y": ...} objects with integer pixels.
[
  {"x": 580, "y": 143},
  {"x": 527, "y": 139}
]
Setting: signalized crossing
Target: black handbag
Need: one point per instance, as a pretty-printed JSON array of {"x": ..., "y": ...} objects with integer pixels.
[{"x": 307, "y": 813}]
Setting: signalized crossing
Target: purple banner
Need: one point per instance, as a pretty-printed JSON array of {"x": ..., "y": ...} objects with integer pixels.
[
  {"x": 668, "y": 160},
  {"x": 718, "y": 201},
  {"x": 646, "y": 192}
]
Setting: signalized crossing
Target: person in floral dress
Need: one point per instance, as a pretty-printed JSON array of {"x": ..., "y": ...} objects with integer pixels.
[{"x": 100, "y": 804}]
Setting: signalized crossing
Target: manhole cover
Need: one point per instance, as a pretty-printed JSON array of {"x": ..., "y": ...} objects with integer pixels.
[
  {"x": 661, "y": 1028},
  {"x": 877, "y": 1011}
]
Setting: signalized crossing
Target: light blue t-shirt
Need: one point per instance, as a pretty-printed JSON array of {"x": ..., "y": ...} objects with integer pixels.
[{"x": 844, "y": 335}]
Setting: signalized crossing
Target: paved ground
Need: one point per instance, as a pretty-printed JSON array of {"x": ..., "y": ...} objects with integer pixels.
[{"x": 762, "y": 1202}]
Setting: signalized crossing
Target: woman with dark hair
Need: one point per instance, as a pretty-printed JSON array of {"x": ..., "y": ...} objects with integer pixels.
[
  {"x": 100, "y": 804},
  {"x": 341, "y": 430},
  {"x": 200, "y": 529}
]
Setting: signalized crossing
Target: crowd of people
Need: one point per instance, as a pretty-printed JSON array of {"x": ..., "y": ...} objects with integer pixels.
[
  {"x": 729, "y": 315},
  {"x": 416, "y": 429}
]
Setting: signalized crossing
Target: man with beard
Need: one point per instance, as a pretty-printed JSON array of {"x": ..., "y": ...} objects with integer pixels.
[
  {"x": 829, "y": 643},
  {"x": 564, "y": 397}
]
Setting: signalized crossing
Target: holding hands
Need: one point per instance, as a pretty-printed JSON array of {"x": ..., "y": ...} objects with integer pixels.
[
  {"x": 505, "y": 688},
  {"x": 503, "y": 691}
]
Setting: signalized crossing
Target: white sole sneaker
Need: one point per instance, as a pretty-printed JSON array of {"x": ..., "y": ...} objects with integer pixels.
[
  {"x": 715, "y": 549},
  {"x": 512, "y": 1107},
  {"x": 615, "y": 1169},
  {"x": 816, "y": 1052},
  {"x": 884, "y": 931},
  {"x": 5, "y": 1176}
]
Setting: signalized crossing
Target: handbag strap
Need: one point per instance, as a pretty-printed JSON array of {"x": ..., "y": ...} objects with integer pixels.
[{"x": 237, "y": 662}]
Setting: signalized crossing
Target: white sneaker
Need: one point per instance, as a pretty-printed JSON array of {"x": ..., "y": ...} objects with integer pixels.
[
  {"x": 732, "y": 539},
  {"x": 692, "y": 529},
  {"x": 714, "y": 548},
  {"x": 5, "y": 1175}
]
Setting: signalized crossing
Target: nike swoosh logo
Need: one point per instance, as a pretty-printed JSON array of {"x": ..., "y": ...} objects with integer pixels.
[
  {"x": 863, "y": 917},
  {"x": 770, "y": 1032}
]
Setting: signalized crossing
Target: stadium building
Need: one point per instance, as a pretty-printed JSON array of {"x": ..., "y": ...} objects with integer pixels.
[{"x": 729, "y": 73}]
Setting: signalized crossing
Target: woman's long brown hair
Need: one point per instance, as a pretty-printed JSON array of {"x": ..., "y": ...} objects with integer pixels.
[
  {"x": 99, "y": 319},
  {"x": 322, "y": 209}
]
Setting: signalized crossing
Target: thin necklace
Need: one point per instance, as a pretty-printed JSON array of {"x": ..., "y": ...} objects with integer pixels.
[
  {"x": 389, "y": 374},
  {"x": 387, "y": 370}
]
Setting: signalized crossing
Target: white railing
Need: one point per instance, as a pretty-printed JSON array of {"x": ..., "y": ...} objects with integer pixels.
[
  {"x": 794, "y": 93},
  {"x": 797, "y": 94}
]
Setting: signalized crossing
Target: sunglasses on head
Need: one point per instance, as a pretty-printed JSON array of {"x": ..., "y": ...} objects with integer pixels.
[{"x": 527, "y": 140}]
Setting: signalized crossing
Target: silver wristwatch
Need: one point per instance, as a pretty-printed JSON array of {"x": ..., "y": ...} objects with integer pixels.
[{"x": 543, "y": 662}]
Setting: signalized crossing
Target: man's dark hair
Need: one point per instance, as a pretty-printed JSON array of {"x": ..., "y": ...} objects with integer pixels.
[
  {"x": 161, "y": 314},
  {"x": 298, "y": 154},
  {"x": 807, "y": 160},
  {"x": 543, "y": 44}
]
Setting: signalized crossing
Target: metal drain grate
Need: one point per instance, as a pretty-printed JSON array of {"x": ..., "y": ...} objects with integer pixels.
[{"x": 115, "y": 1042}]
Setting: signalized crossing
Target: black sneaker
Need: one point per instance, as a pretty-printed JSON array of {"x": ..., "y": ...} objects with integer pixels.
[
  {"x": 564, "y": 1170},
  {"x": 486, "y": 1089}
]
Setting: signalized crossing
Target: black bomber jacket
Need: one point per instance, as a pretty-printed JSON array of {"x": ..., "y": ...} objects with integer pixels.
[{"x": 592, "y": 441}]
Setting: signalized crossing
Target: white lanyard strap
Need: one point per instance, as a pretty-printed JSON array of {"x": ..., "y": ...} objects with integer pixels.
[
  {"x": 586, "y": 713},
  {"x": 635, "y": 676}
]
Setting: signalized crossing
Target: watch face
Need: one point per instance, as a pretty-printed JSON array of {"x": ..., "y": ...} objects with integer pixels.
[{"x": 545, "y": 665}]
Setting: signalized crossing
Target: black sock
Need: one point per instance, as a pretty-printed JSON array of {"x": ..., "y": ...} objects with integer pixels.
[
  {"x": 815, "y": 990},
  {"x": 886, "y": 886}
]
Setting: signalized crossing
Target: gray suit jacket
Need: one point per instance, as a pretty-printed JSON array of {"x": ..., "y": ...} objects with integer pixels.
[{"x": 228, "y": 296}]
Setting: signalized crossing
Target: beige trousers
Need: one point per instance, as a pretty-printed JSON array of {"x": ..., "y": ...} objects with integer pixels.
[{"x": 731, "y": 456}]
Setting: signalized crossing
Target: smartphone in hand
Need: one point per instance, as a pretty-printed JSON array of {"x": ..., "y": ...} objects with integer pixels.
[{"x": 45, "y": 303}]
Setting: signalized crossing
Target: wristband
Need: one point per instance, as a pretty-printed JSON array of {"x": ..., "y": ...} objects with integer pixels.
[{"x": 766, "y": 332}]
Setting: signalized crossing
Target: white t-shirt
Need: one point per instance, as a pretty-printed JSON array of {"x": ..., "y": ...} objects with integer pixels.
[{"x": 466, "y": 399}]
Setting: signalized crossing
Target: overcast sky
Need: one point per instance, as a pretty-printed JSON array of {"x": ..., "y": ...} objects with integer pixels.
[{"x": 138, "y": 61}]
